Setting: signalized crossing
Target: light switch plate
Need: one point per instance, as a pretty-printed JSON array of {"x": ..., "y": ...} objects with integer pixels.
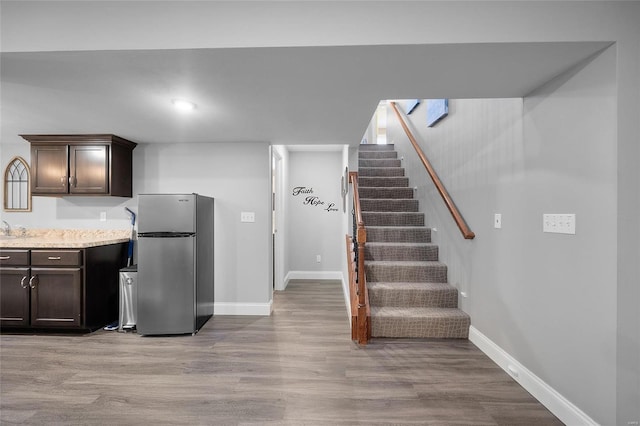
[
  {"x": 247, "y": 217},
  {"x": 497, "y": 220}
]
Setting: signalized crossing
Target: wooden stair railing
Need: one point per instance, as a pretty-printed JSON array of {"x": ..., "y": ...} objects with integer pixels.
[
  {"x": 353, "y": 287},
  {"x": 360, "y": 310},
  {"x": 457, "y": 216}
]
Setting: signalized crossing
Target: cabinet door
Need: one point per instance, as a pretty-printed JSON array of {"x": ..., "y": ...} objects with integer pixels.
[
  {"x": 56, "y": 297},
  {"x": 49, "y": 168},
  {"x": 14, "y": 297},
  {"x": 89, "y": 165}
]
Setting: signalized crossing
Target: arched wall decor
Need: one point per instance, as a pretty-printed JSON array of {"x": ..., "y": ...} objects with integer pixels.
[{"x": 17, "y": 186}]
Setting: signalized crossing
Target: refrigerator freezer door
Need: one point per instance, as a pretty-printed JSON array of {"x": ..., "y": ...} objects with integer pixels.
[
  {"x": 166, "y": 213},
  {"x": 166, "y": 285}
]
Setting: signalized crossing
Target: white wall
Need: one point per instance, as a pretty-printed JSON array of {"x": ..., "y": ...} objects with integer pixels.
[
  {"x": 356, "y": 23},
  {"x": 548, "y": 300},
  {"x": 313, "y": 230},
  {"x": 63, "y": 213},
  {"x": 237, "y": 175}
]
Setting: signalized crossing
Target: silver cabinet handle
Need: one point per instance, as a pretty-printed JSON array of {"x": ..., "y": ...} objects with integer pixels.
[
  {"x": 54, "y": 258},
  {"x": 73, "y": 181},
  {"x": 23, "y": 283},
  {"x": 63, "y": 179},
  {"x": 31, "y": 283},
  {"x": 5, "y": 257}
]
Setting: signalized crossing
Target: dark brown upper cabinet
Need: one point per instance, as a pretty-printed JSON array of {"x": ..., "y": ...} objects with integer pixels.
[{"x": 81, "y": 165}]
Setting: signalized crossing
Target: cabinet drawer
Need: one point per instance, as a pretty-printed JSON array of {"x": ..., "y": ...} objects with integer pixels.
[
  {"x": 56, "y": 257},
  {"x": 14, "y": 257}
]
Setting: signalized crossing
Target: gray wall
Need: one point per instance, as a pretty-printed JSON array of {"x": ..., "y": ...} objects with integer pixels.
[
  {"x": 236, "y": 174},
  {"x": 444, "y": 22},
  {"x": 549, "y": 300},
  {"x": 69, "y": 212},
  {"x": 312, "y": 230}
]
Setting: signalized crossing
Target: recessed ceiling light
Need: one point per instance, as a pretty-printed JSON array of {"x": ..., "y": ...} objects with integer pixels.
[{"x": 183, "y": 105}]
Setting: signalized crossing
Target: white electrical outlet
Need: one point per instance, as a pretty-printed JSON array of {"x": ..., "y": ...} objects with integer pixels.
[
  {"x": 559, "y": 223},
  {"x": 247, "y": 217},
  {"x": 103, "y": 216},
  {"x": 318, "y": 258},
  {"x": 497, "y": 220}
]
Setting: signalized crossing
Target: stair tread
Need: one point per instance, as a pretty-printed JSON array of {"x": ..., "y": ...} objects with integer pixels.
[
  {"x": 398, "y": 228},
  {"x": 396, "y": 213},
  {"x": 391, "y": 200},
  {"x": 399, "y": 244},
  {"x": 410, "y": 285},
  {"x": 404, "y": 262},
  {"x": 376, "y": 146},
  {"x": 393, "y": 311}
]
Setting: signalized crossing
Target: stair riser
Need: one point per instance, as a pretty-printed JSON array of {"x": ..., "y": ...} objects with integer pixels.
[
  {"x": 379, "y": 163},
  {"x": 384, "y": 182},
  {"x": 386, "y": 193},
  {"x": 377, "y": 155},
  {"x": 441, "y": 328},
  {"x": 380, "y": 171},
  {"x": 376, "y": 147},
  {"x": 393, "y": 219},
  {"x": 406, "y": 284},
  {"x": 406, "y": 273},
  {"x": 414, "y": 298},
  {"x": 393, "y": 253},
  {"x": 388, "y": 205},
  {"x": 399, "y": 234}
]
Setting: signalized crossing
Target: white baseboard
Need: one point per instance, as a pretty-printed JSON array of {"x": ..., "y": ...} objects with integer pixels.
[
  {"x": 312, "y": 275},
  {"x": 561, "y": 407},
  {"x": 230, "y": 308}
]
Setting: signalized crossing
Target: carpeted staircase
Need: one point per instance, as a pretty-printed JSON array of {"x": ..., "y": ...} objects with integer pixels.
[{"x": 408, "y": 289}]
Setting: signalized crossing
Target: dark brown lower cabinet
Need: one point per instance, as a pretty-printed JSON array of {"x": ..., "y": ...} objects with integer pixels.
[
  {"x": 56, "y": 297},
  {"x": 60, "y": 289},
  {"x": 14, "y": 297}
]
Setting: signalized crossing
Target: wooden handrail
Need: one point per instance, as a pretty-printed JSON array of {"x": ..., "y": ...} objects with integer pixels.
[
  {"x": 457, "y": 216},
  {"x": 353, "y": 178},
  {"x": 363, "y": 327}
]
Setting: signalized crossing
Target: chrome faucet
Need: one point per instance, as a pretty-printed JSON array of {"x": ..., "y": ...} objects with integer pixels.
[{"x": 7, "y": 228}]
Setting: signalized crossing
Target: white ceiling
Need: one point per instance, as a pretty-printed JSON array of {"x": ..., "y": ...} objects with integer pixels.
[{"x": 281, "y": 95}]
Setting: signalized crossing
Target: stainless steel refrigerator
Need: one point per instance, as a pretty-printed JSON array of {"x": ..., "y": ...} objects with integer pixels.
[{"x": 175, "y": 263}]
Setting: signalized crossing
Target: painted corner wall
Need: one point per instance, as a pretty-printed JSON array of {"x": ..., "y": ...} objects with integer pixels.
[
  {"x": 237, "y": 175},
  {"x": 62, "y": 213},
  {"x": 548, "y": 300},
  {"x": 315, "y": 216}
]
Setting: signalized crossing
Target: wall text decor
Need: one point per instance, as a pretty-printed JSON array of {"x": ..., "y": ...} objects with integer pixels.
[{"x": 312, "y": 200}]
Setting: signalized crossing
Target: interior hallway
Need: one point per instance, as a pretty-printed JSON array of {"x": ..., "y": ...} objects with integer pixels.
[{"x": 295, "y": 367}]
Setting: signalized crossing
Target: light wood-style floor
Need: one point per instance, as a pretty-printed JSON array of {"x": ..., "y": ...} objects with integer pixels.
[{"x": 296, "y": 367}]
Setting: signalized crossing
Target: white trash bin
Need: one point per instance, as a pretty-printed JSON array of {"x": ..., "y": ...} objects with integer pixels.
[{"x": 128, "y": 298}]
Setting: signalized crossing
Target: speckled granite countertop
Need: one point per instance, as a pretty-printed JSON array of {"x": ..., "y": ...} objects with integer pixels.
[{"x": 63, "y": 238}]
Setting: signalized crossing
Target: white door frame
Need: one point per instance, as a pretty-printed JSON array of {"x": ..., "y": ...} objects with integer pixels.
[{"x": 278, "y": 213}]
